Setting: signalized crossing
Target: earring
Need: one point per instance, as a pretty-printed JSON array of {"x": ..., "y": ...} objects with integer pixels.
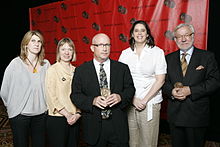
[{"x": 148, "y": 40}]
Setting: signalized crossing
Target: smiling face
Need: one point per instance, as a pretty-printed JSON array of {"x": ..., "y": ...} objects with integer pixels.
[
  {"x": 184, "y": 37},
  {"x": 66, "y": 52},
  {"x": 101, "y": 47},
  {"x": 140, "y": 34}
]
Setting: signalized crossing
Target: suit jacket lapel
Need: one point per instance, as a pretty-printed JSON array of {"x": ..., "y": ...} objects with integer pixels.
[
  {"x": 193, "y": 61},
  {"x": 177, "y": 65},
  {"x": 112, "y": 73},
  {"x": 93, "y": 75}
]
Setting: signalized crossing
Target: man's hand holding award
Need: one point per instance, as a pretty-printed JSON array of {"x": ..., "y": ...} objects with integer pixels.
[{"x": 106, "y": 113}]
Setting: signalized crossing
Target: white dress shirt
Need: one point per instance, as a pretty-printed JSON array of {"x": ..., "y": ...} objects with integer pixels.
[
  {"x": 189, "y": 54},
  {"x": 143, "y": 70},
  {"x": 106, "y": 67}
]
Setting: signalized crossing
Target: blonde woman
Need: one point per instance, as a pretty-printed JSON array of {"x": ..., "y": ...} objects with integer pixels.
[
  {"x": 22, "y": 92},
  {"x": 62, "y": 121}
]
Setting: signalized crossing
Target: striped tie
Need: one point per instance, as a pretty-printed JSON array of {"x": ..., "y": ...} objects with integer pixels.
[{"x": 184, "y": 63}]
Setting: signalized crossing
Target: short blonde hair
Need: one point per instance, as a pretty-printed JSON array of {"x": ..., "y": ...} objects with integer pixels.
[{"x": 61, "y": 43}]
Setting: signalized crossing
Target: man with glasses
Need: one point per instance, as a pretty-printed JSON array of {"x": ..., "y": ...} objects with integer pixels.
[
  {"x": 192, "y": 76},
  {"x": 103, "y": 88}
]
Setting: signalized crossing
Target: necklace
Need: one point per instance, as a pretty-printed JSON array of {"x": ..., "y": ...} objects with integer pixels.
[{"x": 34, "y": 66}]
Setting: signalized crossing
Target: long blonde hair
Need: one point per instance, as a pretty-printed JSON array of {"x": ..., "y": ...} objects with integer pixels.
[{"x": 26, "y": 39}]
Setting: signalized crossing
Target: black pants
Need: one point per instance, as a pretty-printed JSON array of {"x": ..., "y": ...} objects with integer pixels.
[
  {"x": 28, "y": 127},
  {"x": 60, "y": 133},
  {"x": 108, "y": 137},
  {"x": 187, "y": 136}
]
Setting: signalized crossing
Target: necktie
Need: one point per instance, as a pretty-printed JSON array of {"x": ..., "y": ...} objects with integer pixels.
[
  {"x": 103, "y": 78},
  {"x": 184, "y": 63},
  {"x": 106, "y": 113}
]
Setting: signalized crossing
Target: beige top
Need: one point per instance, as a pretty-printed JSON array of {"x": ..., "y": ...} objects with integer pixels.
[{"x": 58, "y": 89}]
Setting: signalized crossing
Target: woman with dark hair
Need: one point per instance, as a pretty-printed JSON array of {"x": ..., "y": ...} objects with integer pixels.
[
  {"x": 149, "y": 38},
  {"x": 148, "y": 68},
  {"x": 23, "y": 94}
]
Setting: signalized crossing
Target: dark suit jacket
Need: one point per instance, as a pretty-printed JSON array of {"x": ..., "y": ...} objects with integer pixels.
[
  {"x": 85, "y": 88},
  {"x": 194, "y": 110}
]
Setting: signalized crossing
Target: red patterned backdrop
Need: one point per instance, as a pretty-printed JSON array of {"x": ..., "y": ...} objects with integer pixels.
[{"x": 81, "y": 19}]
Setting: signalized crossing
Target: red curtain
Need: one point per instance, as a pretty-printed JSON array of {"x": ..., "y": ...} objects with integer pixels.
[{"x": 81, "y": 19}]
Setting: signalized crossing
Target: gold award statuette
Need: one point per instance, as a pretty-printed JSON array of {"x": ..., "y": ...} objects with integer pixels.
[
  {"x": 105, "y": 92},
  {"x": 178, "y": 85},
  {"x": 106, "y": 113}
]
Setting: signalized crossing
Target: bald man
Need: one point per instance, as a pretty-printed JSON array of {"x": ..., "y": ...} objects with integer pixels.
[{"x": 99, "y": 131}]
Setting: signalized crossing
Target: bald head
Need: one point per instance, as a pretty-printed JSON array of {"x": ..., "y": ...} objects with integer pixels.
[
  {"x": 101, "y": 47},
  {"x": 100, "y": 36}
]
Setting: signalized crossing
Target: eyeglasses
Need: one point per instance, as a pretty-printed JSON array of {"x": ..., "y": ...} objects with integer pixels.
[
  {"x": 102, "y": 45},
  {"x": 187, "y": 36}
]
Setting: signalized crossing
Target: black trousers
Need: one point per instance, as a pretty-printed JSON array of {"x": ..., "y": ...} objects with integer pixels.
[
  {"x": 61, "y": 134},
  {"x": 108, "y": 137},
  {"x": 25, "y": 128},
  {"x": 187, "y": 136}
]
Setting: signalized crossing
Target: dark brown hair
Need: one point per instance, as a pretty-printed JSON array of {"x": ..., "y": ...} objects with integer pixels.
[{"x": 150, "y": 39}]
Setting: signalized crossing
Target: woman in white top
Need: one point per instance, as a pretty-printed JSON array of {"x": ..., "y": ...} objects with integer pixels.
[
  {"x": 22, "y": 92},
  {"x": 148, "y": 68},
  {"x": 62, "y": 121}
]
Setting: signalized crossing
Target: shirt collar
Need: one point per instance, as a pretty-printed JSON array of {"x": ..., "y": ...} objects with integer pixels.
[
  {"x": 96, "y": 63},
  {"x": 146, "y": 48},
  {"x": 189, "y": 51}
]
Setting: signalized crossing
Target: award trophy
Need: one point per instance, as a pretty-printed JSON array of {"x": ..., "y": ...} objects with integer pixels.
[
  {"x": 178, "y": 85},
  {"x": 106, "y": 113}
]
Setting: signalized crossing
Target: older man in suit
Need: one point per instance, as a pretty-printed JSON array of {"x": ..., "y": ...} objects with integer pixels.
[
  {"x": 104, "y": 116},
  {"x": 192, "y": 76}
]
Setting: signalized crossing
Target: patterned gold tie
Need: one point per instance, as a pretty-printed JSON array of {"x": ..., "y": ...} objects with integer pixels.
[{"x": 184, "y": 63}]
